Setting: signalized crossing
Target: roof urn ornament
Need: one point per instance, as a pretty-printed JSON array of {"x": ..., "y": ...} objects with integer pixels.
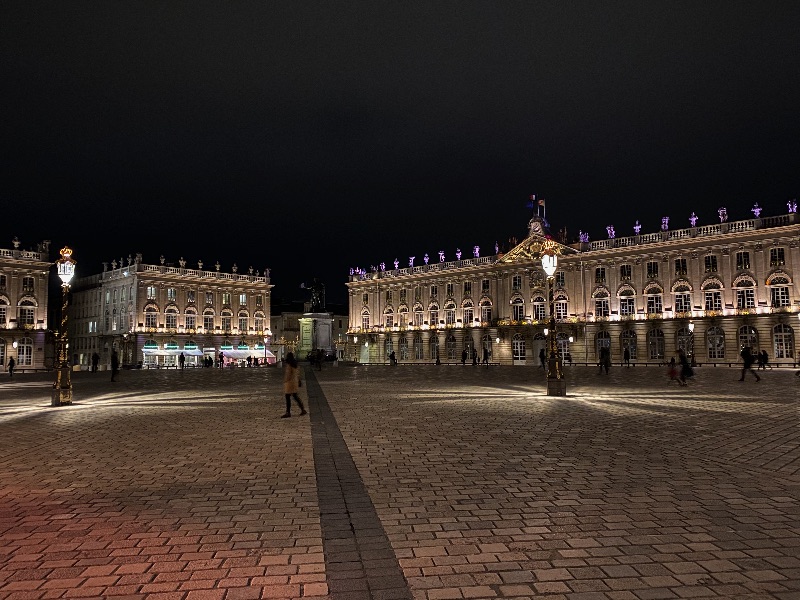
[
  {"x": 162, "y": 259},
  {"x": 182, "y": 262},
  {"x": 637, "y": 228},
  {"x": 217, "y": 265},
  {"x": 234, "y": 268},
  {"x": 200, "y": 264},
  {"x": 693, "y": 219}
]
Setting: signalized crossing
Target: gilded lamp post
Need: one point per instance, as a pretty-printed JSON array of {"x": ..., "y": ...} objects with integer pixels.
[
  {"x": 62, "y": 388},
  {"x": 556, "y": 384}
]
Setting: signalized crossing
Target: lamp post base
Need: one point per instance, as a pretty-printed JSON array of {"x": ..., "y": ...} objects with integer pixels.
[
  {"x": 556, "y": 387},
  {"x": 62, "y": 388}
]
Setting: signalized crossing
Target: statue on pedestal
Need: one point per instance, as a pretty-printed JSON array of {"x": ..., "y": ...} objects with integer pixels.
[{"x": 317, "y": 289}]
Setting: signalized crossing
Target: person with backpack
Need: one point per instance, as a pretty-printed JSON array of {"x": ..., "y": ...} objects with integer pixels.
[{"x": 748, "y": 359}]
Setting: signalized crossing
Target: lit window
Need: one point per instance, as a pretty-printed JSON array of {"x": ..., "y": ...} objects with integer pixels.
[
  {"x": 742, "y": 261},
  {"x": 467, "y": 288},
  {"x": 191, "y": 321},
  {"x": 601, "y": 307},
  {"x": 625, "y": 272},
  {"x": 711, "y": 263},
  {"x": 627, "y": 306},
  {"x": 776, "y": 257},
  {"x": 171, "y": 294},
  {"x": 242, "y": 299},
  {"x": 561, "y": 308},
  {"x": 150, "y": 317},
  {"x": 227, "y": 319},
  {"x": 683, "y": 302},
  {"x": 560, "y": 278},
  {"x": 171, "y": 318},
  {"x": 518, "y": 309},
  {"x": 25, "y": 314},
  {"x": 243, "y": 322},
  {"x": 208, "y": 320},
  {"x": 745, "y": 296},
  {"x": 189, "y": 296},
  {"x": 226, "y": 299},
  {"x": 449, "y": 290},
  {"x": 209, "y": 297},
  {"x": 151, "y": 292},
  {"x": 539, "y": 308},
  {"x": 652, "y": 269},
  {"x": 27, "y": 285},
  {"x": 713, "y": 299},
  {"x": 779, "y": 295}
]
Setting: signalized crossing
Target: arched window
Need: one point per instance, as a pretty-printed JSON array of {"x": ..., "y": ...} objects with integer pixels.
[
  {"x": 601, "y": 305},
  {"x": 655, "y": 303},
  {"x": 517, "y": 309},
  {"x": 151, "y": 317},
  {"x": 419, "y": 314},
  {"x": 627, "y": 300},
  {"x": 25, "y": 352},
  {"x": 388, "y": 347},
  {"x": 258, "y": 321},
  {"x": 433, "y": 314},
  {"x": 518, "y": 348},
  {"x": 244, "y": 320},
  {"x": 227, "y": 318},
  {"x": 684, "y": 340},
  {"x": 388, "y": 316},
  {"x": 208, "y": 319},
  {"x": 190, "y": 319},
  {"x": 562, "y": 343},
  {"x": 114, "y": 320},
  {"x": 712, "y": 295},
  {"x": 2, "y": 353},
  {"x": 561, "y": 305},
  {"x": 779, "y": 291},
  {"x": 655, "y": 344},
  {"x": 748, "y": 337},
  {"x": 3, "y": 313},
  {"x": 418, "y": 348},
  {"x": 171, "y": 317},
  {"x": 715, "y": 343},
  {"x": 539, "y": 308},
  {"x": 627, "y": 340},
  {"x": 434, "y": 347},
  {"x": 486, "y": 311},
  {"x": 403, "y": 316},
  {"x": 683, "y": 298},
  {"x": 486, "y": 347},
  {"x": 602, "y": 340},
  {"x": 26, "y": 317},
  {"x": 783, "y": 341},
  {"x": 450, "y": 312},
  {"x": 745, "y": 293},
  {"x": 403, "y": 347},
  {"x": 468, "y": 312},
  {"x": 452, "y": 351},
  {"x": 365, "y": 319}
]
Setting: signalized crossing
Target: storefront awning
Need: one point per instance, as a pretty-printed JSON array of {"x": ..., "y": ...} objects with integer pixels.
[
  {"x": 258, "y": 353},
  {"x": 170, "y": 352}
]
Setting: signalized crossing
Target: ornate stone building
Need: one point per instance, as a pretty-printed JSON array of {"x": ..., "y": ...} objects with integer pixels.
[
  {"x": 23, "y": 307},
  {"x": 152, "y": 313},
  {"x": 707, "y": 289}
]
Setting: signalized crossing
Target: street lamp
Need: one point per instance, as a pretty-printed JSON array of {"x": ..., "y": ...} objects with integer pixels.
[
  {"x": 62, "y": 388},
  {"x": 556, "y": 384}
]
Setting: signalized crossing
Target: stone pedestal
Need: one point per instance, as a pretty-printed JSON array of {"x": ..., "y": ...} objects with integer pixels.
[{"x": 316, "y": 332}]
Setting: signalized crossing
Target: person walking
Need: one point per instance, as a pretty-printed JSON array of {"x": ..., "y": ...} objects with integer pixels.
[
  {"x": 464, "y": 357},
  {"x": 95, "y": 361},
  {"x": 748, "y": 359},
  {"x": 181, "y": 361},
  {"x": 626, "y": 356},
  {"x": 392, "y": 358},
  {"x": 686, "y": 368},
  {"x": 114, "y": 365},
  {"x": 542, "y": 357},
  {"x": 11, "y": 364},
  {"x": 764, "y": 359},
  {"x": 474, "y": 357},
  {"x": 291, "y": 385},
  {"x": 605, "y": 359},
  {"x": 486, "y": 356}
]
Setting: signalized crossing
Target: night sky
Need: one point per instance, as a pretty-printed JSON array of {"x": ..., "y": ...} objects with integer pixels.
[{"x": 312, "y": 137}]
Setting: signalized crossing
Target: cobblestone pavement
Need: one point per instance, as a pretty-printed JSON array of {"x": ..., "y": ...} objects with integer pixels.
[{"x": 403, "y": 482}]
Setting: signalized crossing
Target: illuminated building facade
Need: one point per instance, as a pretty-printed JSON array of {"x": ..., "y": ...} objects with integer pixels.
[
  {"x": 708, "y": 290},
  {"x": 23, "y": 307},
  {"x": 152, "y": 313}
]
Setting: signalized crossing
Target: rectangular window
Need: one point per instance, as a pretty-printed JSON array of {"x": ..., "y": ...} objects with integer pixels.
[
  {"x": 365, "y": 298},
  {"x": 776, "y": 257},
  {"x": 434, "y": 317},
  {"x": 713, "y": 300},
  {"x": 485, "y": 286},
  {"x": 209, "y": 297},
  {"x": 208, "y": 322},
  {"x": 711, "y": 263},
  {"x": 171, "y": 294},
  {"x": 450, "y": 290},
  {"x": 600, "y": 275},
  {"x": 539, "y": 311},
  {"x": 467, "y": 288},
  {"x": 108, "y": 296},
  {"x": 779, "y": 296},
  {"x": 171, "y": 319},
  {"x": 683, "y": 302},
  {"x": 191, "y": 322},
  {"x": 190, "y": 296},
  {"x": 516, "y": 282},
  {"x": 417, "y": 293},
  {"x": 226, "y": 299},
  {"x": 601, "y": 307},
  {"x": 625, "y": 272},
  {"x": 388, "y": 296},
  {"x": 418, "y": 319},
  {"x": 27, "y": 285},
  {"x": 434, "y": 291},
  {"x": 150, "y": 319},
  {"x": 258, "y": 323},
  {"x": 486, "y": 314},
  {"x": 226, "y": 323},
  {"x": 652, "y": 269},
  {"x": 745, "y": 298},
  {"x": 3, "y": 315},
  {"x": 114, "y": 296},
  {"x": 560, "y": 278},
  {"x": 627, "y": 306},
  {"x": 680, "y": 267},
  {"x": 2, "y": 281},
  {"x": 243, "y": 299},
  {"x": 468, "y": 317},
  {"x": 654, "y": 304},
  {"x": 403, "y": 295},
  {"x": 742, "y": 261},
  {"x": 151, "y": 292},
  {"x": 242, "y": 323},
  {"x": 259, "y": 300},
  {"x": 561, "y": 309}
]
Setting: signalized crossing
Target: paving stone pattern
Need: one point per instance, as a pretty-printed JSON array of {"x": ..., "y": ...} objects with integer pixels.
[{"x": 424, "y": 482}]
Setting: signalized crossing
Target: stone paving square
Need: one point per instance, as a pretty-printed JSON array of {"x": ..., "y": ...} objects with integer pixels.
[{"x": 418, "y": 482}]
